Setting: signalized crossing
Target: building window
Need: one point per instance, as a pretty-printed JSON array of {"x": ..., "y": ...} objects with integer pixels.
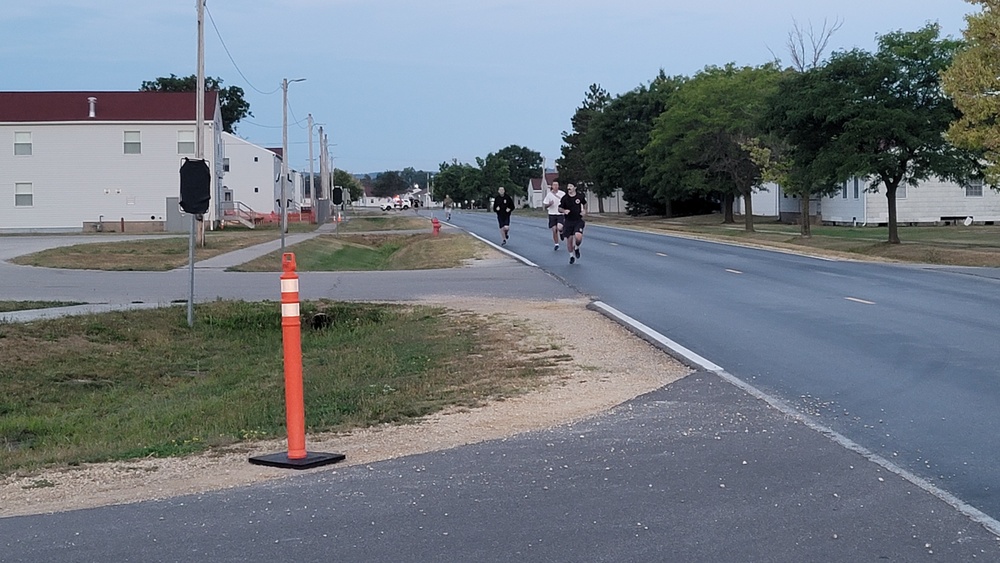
[
  {"x": 22, "y": 143},
  {"x": 255, "y": 159},
  {"x": 185, "y": 142},
  {"x": 23, "y": 195},
  {"x": 256, "y": 190},
  {"x": 974, "y": 188},
  {"x": 843, "y": 190},
  {"x": 857, "y": 188},
  {"x": 133, "y": 142},
  {"x": 225, "y": 165},
  {"x": 901, "y": 191}
]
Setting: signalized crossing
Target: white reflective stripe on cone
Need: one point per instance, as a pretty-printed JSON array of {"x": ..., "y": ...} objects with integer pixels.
[
  {"x": 289, "y": 309},
  {"x": 290, "y": 285}
]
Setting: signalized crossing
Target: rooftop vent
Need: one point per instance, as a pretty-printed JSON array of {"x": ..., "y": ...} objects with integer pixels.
[{"x": 93, "y": 107}]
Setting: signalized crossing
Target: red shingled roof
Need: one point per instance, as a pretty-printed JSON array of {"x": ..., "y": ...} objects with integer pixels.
[{"x": 19, "y": 107}]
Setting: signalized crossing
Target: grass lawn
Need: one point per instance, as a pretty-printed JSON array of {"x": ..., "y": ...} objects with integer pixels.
[{"x": 133, "y": 384}]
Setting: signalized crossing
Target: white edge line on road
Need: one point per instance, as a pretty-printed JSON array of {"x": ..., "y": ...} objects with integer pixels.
[
  {"x": 862, "y": 301},
  {"x": 513, "y": 255},
  {"x": 694, "y": 360}
]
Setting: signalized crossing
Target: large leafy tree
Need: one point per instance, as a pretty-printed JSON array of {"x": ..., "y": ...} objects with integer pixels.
[
  {"x": 615, "y": 137},
  {"x": 893, "y": 114},
  {"x": 462, "y": 182},
  {"x": 790, "y": 153},
  {"x": 973, "y": 82},
  {"x": 571, "y": 165},
  {"x": 702, "y": 141},
  {"x": 389, "y": 183},
  {"x": 234, "y": 105},
  {"x": 523, "y": 164}
]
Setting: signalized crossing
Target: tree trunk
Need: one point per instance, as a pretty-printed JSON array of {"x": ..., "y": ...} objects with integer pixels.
[
  {"x": 727, "y": 208},
  {"x": 600, "y": 204},
  {"x": 890, "y": 196},
  {"x": 805, "y": 229},
  {"x": 748, "y": 211},
  {"x": 668, "y": 211}
]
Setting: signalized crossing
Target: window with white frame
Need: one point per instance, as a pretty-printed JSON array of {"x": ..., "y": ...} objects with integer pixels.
[
  {"x": 843, "y": 190},
  {"x": 225, "y": 164},
  {"x": 857, "y": 188},
  {"x": 901, "y": 191},
  {"x": 185, "y": 142},
  {"x": 133, "y": 142},
  {"x": 23, "y": 194},
  {"x": 974, "y": 188},
  {"x": 22, "y": 143}
]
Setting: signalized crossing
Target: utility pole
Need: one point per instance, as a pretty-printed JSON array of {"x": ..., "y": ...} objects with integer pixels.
[
  {"x": 199, "y": 149},
  {"x": 324, "y": 164},
  {"x": 312, "y": 185},
  {"x": 283, "y": 202}
]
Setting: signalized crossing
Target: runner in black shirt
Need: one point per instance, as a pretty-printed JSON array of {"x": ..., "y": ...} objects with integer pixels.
[
  {"x": 503, "y": 205},
  {"x": 574, "y": 207}
]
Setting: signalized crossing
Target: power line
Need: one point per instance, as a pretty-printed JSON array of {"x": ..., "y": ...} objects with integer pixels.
[{"x": 226, "y": 49}]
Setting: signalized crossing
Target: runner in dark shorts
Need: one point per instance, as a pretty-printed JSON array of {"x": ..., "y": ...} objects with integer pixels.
[
  {"x": 503, "y": 206},
  {"x": 574, "y": 207}
]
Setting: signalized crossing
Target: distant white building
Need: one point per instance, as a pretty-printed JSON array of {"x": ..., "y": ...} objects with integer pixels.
[
  {"x": 929, "y": 203},
  {"x": 251, "y": 180},
  {"x": 79, "y": 161}
]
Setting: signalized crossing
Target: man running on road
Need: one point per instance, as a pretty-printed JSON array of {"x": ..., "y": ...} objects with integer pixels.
[
  {"x": 503, "y": 205},
  {"x": 556, "y": 219},
  {"x": 574, "y": 207}
]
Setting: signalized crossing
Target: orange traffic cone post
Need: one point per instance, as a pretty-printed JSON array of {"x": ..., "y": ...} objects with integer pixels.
[{"x": 295, "y": 414}]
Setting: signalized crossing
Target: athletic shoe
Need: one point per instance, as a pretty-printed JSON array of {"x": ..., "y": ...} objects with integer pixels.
[
  {"x": 572, "y": 259},
  {"x": 576, "y": 252},
  {"x": 503, "y": 242},
  {"x": 556, "y": 247}
]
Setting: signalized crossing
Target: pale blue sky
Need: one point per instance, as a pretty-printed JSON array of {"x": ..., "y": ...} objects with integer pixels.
[{"x": 402, "y": 83}]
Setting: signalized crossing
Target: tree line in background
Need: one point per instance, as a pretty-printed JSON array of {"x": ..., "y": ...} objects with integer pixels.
[{"x": 920, "y": 106}]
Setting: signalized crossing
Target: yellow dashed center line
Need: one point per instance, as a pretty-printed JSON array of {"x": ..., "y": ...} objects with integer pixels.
[{"x": 856, "y": 300}]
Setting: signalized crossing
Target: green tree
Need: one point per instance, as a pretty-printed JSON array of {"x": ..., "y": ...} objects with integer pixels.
[
  {"x": 346, "y": 180},
  {"x": 701, "y": 142},
  {"x": 523, "y": 164},
  {"x": 571, "y": 165},
  {"x": 234, "y": 105},
  {"x": 494, "y": 172},
  {"x": 894, "y": 114},
  {"x": 794, "y": 155},
  {"x": 389, "y": 183},
  {"x": 614, "y": 139},
  {"x": 463, "y": 183},
  {"x": 973, "y": 83}
]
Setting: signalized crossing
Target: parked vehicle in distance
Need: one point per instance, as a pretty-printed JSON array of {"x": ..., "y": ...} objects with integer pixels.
[{"x": 397, "y": 203}]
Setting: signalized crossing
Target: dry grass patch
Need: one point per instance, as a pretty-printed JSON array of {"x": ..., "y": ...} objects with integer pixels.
[{"x": 152, "y": 254}]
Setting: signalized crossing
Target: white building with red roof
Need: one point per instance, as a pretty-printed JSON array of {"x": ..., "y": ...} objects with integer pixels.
[{"x": 79, "y": 161}]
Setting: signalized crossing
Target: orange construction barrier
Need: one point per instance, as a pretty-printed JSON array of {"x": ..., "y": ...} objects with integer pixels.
[{"x": 295, "y": 412}]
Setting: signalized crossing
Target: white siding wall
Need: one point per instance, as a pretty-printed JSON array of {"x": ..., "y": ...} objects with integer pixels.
[
  {"x": 79, "y": 172},
  {"x": 252, "y": 181},
  {"x": 765, "y": 203},
  {"x": 925, "y": 203}
]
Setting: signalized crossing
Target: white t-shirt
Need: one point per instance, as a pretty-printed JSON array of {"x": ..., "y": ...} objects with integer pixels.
[{"x": 555, "y": 198}]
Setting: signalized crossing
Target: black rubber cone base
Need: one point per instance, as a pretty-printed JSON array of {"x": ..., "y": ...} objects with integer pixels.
[{"x": 312, "y": 459}]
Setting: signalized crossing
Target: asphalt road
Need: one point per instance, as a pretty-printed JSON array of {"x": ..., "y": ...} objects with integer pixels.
[
  {"x": 701, "y": 470},
  {"x": 900, "y": 359}
]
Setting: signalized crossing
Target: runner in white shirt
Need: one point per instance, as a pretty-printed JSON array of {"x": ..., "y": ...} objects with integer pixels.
[{"x": 551, "y": 205}]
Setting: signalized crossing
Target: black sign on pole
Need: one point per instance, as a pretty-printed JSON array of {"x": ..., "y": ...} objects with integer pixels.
[
  {"x": 196, "y": 186},
  {"x": 338, "y": 195}
]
